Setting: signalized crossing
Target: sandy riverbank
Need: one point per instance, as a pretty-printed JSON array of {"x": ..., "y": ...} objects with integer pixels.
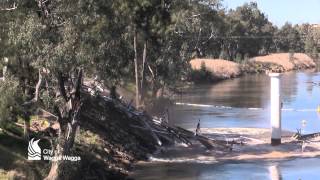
[
  {"x": 277, "y": 62},
  {"x": 256, "y": 146}
]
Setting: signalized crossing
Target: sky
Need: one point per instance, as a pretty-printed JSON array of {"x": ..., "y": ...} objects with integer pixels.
[{"x": 281, "y": 11}]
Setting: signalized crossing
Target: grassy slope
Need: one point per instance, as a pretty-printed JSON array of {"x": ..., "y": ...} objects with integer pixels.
[
  {"x": 90, "y": 146},
  {"x": 13, "y": 153},
  {"x": 106, "y": 144}
]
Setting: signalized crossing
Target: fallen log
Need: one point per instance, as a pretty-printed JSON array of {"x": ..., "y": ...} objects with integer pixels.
[
  {"x": 302, "y": 137},
  {"x": 146, "y": 129},
  {"x": 154, "y": 135},
  {"x": 212, "y": 143}
]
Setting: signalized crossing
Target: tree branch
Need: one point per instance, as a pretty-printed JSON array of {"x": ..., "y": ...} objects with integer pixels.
[
  {"x": 36, "y": 96},
  {"x": 78, "y": 85},
  {"x": 62, "y": 88},
  {"x": 11, "y": 8}
]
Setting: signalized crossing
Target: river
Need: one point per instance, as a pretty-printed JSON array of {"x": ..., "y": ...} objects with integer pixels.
[{"x": 244, "y": 102}]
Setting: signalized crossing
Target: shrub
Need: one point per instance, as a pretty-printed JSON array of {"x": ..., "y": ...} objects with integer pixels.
[
  {"x": 11, "y": 100},
  {"x": 202, "y": 75}
]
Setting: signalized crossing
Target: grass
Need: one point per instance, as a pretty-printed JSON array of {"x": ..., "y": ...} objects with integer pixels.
[
  {"x": 287, "y": 61},
  {"x": 87, "y": 137},
  {"x": 13, "y": 156},
  {"x": 219, "y": 68},
  {"x": 3, "y": 174}
]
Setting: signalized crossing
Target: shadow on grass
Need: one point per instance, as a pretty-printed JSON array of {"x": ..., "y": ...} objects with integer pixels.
[
  {"x": 13, "y": 158},
  {"x": 12, "y": 149}
]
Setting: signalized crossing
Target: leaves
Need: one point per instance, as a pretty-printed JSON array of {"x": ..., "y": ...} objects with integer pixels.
[{"x": 11, "y": 100}]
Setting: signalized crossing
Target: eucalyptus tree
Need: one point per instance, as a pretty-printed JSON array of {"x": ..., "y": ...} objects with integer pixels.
[
  {"x": 288, "y": 39},
  {"x": 18, "y": 51},
  {"x": 147, "y": 22},
  {"x": 255, "y": 32},
  {"x": 79, "y": 38},
  {"x": 51, "y": 45}
]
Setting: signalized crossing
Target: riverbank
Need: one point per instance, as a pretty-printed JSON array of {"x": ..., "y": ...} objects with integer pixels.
[
  {"x": 279, "y": 62},
  {"x": 111, "y": 137}
]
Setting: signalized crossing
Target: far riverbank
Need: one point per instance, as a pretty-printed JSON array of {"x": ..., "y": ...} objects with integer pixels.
[{"x": 223, "y": 69}]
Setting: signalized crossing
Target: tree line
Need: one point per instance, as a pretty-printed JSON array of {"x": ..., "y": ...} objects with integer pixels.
[{"x": 154, "y": 39}]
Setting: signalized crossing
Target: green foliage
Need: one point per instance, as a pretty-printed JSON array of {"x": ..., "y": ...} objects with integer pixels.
[
  {"x": 315, "y": 53},
  {"x": 11, "y": 100},
  {"x": 288, "y": 39},
  {"x": 253, "y": 29},
  {"x": 224, "y": 55},
  {"x": 239, "y": 58},
  {"x": 98, "y": 36},
  {"x": 202, "y": 75},
  {"x": 311, "y": 47}
]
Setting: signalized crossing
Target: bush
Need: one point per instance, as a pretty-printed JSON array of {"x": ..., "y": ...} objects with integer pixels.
[
  {"x": 224, "y": 55},
  {"x": 238, "y": 58},
  {"x": 291, "y": 56},
  {"x": 202, "y": 75},
  {"x": 11, "y": 100}
]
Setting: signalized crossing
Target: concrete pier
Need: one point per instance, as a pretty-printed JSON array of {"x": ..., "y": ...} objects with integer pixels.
[{"x": 275, "y": 109}]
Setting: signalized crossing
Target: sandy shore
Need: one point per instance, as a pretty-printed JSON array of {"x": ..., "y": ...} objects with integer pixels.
[
  {"x": 256, "y": 146},
  {"x": 276, "y": 62}
]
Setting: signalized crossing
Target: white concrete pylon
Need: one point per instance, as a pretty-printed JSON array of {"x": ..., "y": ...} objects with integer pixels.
[{"x": 275, "y": 107}]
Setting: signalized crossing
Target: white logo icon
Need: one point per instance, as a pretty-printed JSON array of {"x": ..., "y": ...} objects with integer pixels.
[{"x": 34, "y": 151}]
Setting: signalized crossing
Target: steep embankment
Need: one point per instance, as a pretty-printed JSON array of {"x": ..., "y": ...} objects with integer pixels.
[
  {"x": 279, "y": 62},
  {"x": 112, "y": 135}
]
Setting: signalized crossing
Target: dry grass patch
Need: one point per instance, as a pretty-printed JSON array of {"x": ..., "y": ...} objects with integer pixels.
[
  {"x": 219, "y": 68},
  {"x": 287, "y": 61}
]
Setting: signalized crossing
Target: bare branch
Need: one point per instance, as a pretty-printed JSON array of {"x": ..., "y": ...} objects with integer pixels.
[
  {"x": 14, "y": 6},
  {"x": 36, "y": 96},
  {"x": 151, "y": 71},
  {"x": 62, "y": 88}
]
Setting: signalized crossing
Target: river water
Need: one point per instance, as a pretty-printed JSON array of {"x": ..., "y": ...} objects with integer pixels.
[{"x": 244, "y": 102}]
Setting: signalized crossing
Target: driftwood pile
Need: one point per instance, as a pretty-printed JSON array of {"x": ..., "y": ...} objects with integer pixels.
[{"x": 158, "y": 131}]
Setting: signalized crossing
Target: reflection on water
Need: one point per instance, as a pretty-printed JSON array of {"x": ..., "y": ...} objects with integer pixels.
[
  {"x": 274, "y": 172},
  {"x": 248, "y": 99},
  {"x": 303, "y": 169}
]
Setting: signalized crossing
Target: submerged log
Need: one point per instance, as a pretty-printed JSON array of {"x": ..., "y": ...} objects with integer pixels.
[{"x": 299, "y": 136}]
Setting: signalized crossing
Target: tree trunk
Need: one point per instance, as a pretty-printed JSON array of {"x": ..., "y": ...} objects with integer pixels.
[
  {"x": 153, "y": 82},
  {"x": 68, "y": 116},
  {"x": 26, "y": 128},
  {"x": 38, "y": 86},
  {"x": 144, "y": 59},
  {"x": 59, "y": 169},
  {"x": 136, "y": 68}
]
